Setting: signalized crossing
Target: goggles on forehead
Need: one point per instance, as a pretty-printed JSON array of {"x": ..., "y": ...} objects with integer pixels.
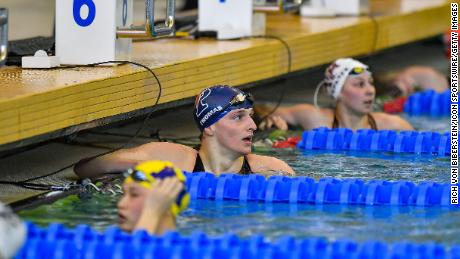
[
  {"x": 136, "y": 175},
  {"x": 239, "y": 99},
  {"x": 235, "y": 101},
  {"x": 140, "y": 176},
  {"x": 357, "y": 71}
]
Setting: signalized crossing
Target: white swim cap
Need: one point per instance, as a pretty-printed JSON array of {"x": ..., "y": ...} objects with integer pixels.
[
  {"x": 12, "y": 232},
  {"x": 337, "y": 73}
]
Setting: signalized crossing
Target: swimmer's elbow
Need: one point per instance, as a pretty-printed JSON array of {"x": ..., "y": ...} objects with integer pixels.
[
  {"x": 290, "y": 172},
  {"x": 409, "y": 127},
  {"x": 80, "y": 169},
  {"x": 87, "y": 168},
  {"x": 284, "y": 167},
  {"x": 405, "y": 125}
]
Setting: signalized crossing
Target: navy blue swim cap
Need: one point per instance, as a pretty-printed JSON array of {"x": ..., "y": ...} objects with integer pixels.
[{"x": 213, "y": 103}]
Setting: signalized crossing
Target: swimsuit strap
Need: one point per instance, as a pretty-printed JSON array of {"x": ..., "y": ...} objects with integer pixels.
[
  {"x": 199, "y": 167},
  {"x": 246, "y": 168},
  {"x": 372, "y": 122},
  {"x": 335, "y": 123}
]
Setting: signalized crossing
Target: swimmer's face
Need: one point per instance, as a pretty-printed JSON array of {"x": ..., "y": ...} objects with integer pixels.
[
  {"x": 358, "y": 93},
  {"x": 130, "y": 205},
  {"x": 235, "y": 130}
]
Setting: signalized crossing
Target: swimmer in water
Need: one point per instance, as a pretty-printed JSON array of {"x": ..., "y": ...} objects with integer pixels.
[
  {"x": 349, "y": 82},
  {"x": 153, "y": 195},
  {"x": 224, "y": 117}
]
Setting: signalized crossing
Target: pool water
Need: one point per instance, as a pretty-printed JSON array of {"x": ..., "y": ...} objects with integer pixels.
[
  {"x": 357, "y": 223},
  {"x": 426, "y": 123},
  {"x": 333, "y": 222},
  {"x": 365, "y": 165}
]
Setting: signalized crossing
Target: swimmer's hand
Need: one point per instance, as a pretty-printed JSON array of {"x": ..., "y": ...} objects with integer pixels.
[
  {"x": 273, "y": 121},
  {"x": 162, "y": 194},
  {"x": 158, "y": 201}
]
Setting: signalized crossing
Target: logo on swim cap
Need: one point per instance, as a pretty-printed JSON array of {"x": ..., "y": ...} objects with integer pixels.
[
  {"x": 200, "y": 102},
  {"x": 215, "y": 102},
  {"x": 337, "y": 73},
  {"x": 145, "y": 174}
]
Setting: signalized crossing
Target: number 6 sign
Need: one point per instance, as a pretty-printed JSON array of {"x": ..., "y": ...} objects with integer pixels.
[{"x": 86, "y": 30}]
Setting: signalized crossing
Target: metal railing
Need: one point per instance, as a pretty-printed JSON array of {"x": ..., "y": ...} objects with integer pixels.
[
  {"x": 150, "y": 30},
  {"x": 3, "y": 35}
]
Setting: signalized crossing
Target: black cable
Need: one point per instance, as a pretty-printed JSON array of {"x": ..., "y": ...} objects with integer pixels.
[
  {"x": 117, "y": 134},
  {"x": 26, "y": 184},
  {"x": 289, "y": 67},
  {"x": 86, "y": 144},
  {"x": 157, "y": 136},
  {"x": 38, "y": 186}
]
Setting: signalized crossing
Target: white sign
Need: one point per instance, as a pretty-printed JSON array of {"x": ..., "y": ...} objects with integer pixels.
[
  {"x": 229, "y": 18},
  {"x": 86, "y": 30},
  {"x": 348, "y": 7}
]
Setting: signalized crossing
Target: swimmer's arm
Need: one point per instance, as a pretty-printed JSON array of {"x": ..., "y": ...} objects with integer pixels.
[
  {"x": 113, "y": 162},
  {"x": 123, "y": 159},
  {"x": 307, "y": 116},
  {"x": 297, "y": 115},
  {"x": 268, "y": 165}
]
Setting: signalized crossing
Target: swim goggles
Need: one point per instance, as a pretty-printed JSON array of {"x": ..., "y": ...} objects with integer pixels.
[
  {"x": 238, "y": 99},
  {"x": 136, "y": 175},
  {"x": 140, "y": 176},
  {"x": 357, "y": 71}
]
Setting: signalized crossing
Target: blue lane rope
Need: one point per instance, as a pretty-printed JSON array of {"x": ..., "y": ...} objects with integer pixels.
[
  {"x": 324, "y": 191},
  {"x": 428, "y": 103},
  {"x": 323, "y": 138},
  {"x": 57, "y": 241}
]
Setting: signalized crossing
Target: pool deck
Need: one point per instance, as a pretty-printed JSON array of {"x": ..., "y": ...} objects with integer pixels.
[{"x": 42, "y": 104}]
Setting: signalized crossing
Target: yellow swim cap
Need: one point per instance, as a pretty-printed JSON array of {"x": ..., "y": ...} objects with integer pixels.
[{"x": 145, "y": 174}]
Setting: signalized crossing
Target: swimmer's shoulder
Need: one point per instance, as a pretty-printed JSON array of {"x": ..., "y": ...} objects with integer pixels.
[{"x": 387, "y": 121}]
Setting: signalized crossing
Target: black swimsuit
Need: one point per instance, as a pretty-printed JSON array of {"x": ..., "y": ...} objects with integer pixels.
[
  {"x": 372, "y": 123},
  {"x": 245, "y": 169}
]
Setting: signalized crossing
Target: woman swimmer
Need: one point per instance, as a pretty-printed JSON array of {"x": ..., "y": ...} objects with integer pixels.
[
  {"x": 350, "y": 83},
  {"x": 153, "y": 195},
  {"x": 224, "y": 116}
]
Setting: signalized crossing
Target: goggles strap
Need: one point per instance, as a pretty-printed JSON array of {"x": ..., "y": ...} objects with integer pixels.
[{"x": 315, "y": 96}]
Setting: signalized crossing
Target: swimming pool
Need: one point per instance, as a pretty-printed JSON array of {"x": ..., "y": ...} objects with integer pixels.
[{"x": 333, "y": 222}]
